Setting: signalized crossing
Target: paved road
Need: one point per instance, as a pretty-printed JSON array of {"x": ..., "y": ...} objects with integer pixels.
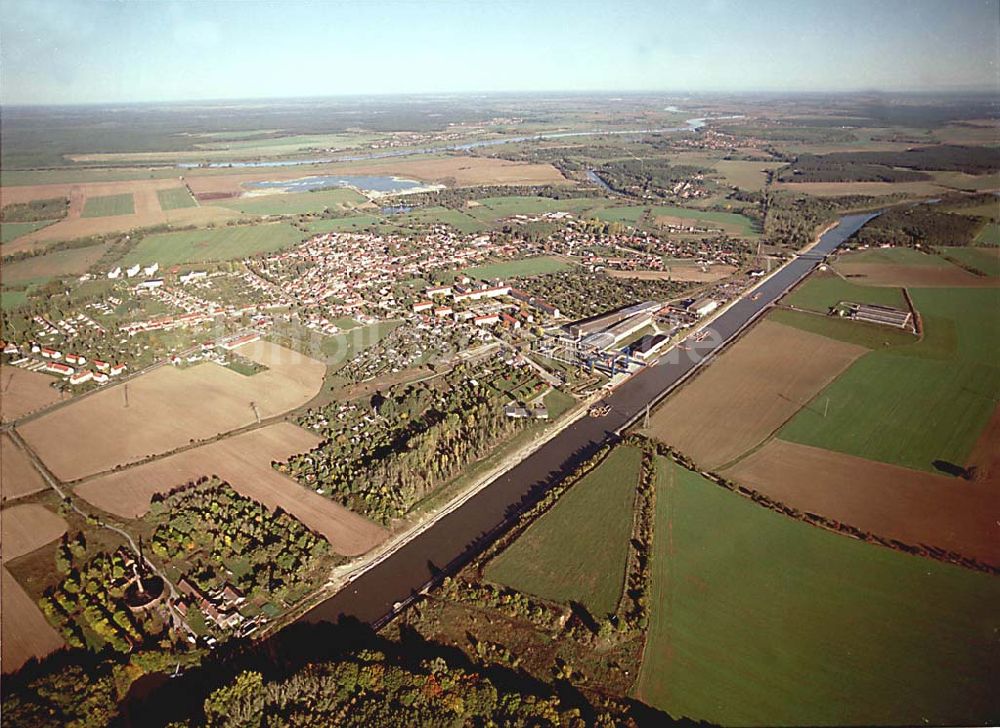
[{"x": 456, "y": 538}]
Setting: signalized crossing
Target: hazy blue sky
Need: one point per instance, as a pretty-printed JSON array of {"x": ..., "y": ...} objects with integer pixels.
[{"x": 62, "y": 51}]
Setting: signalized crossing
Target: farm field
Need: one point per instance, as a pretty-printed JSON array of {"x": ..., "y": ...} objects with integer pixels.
[
  {"x": 353, "y": 223},
  {"x": 950, "y": 378},
  {"x": 577, "y": 550},
  {"x": 840, "y": 189},
  {"x": 524, "y": 267},
  {"x": 39, "y": 268},
  {"x": 108, "y": 205},
  {"x": 989, "y": 235},
  {"x": 244, "y": 461},
  {"x": 749, "y": 392},
  {"x": 293, "y": 203},
  {"x": 893, "y": 502},
  {"x": 822, "y": 291},
  {"x": 728, "y": 221},
  {"x": 26, "y": 527},
  {"x": 24, "y": 392},
  {"x": 746, "y": 175},
  {"x": 438, "y": 215},
  {"x": 18, "y": 476},
  {"x": 870, "y": 336},
  {"x": 195, "y": 246},
  {"x": 758, "y": 619},
  {"x": 170, "y": 407},
  {"x": 988, "y": 210},
  {"x": 984, "y": 259},
  {"x": 12, "y": 299},
  {"x": 12, "y": 230},
  {"x": 175, "y": 198},
  {"x": 492, "y": 209},
  {"x": 905, "y": 267},
  {"x": 24, "y": 631}
]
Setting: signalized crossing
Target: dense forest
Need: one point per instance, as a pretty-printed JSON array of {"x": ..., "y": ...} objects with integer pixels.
[
  {"x": 920, "y": 225},
  {"x": 652, "y": 178},
  {"x": 881, "y": 166}
]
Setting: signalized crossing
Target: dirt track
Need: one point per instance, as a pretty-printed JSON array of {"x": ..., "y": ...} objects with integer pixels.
[
  {"x": 168, "y": 408},
  {"x": 908, "y": 505},
  {"x": 244, "y": 461},
  {"x": 749, "y": 392}
]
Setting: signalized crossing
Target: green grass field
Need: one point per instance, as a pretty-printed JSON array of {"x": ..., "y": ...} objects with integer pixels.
[
  {"x": 745, "y": 174},
  {"x": 12, "y": 299},
  {"x": 729, "y": 221},
  {"x": 758, "y": 619},
  {"x": 912, "y": 405},
  {"x": 296, "y": 203},
  {"x": 13, "y": 230},
  {"x": 629, "y": 215},
  {"x": 989, "y": 210},
  {"x": 989, "y": 235},
  {"x": 577, "y": 551},
  {"x": 109, "y": 205},
  {"x": 175, "y": 198},
  {"x": 864, "y": 334},
  {"x": 822, "y": 291},
  {"x": 492, "y": 209},
  {"x": 437, "y": 215},
  {"x": 40, "y": 268},
  {"x": 525, "y": 267},
  {"x": 354, "y": 223},
  {"x": 984, "y": 259},
  {"x": 195, "y": 246},
  {"x": 895, "y": 256}
]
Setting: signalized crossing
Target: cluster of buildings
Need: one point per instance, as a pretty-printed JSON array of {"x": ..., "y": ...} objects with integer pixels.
[
  {"x": 221, "y": 606},
  {"x": 35, "y": 357}
]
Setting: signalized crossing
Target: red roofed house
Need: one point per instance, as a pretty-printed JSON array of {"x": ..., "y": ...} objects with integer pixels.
[{"x": 422, "y": 306}]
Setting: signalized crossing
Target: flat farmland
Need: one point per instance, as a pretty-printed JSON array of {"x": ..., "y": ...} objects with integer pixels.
[
  {"x": 108, "y": 205},
  {"x": 495, "y": 208},
  {"x": 294, "y": 203},
  {"x": 69, "y": 262},
  {"x": 18, "y": 476},
  {"x": 986, "y": 260},
  {"x": 24, "y": 392},
  {"x": 922, "y": 405},
  {"x": 989, "y": 235},
  {"x": 351, "y": 224},
  {"x": 175, "y": 198},
  {"x": 13, "y": 230},
  {"x": 728, "y": 221},
  {"x": 577, "y": 551},
  {"x": 195, "y": 246},
  {"x": 524, "y": 267},
  {"x": 749, "y": 392},
  {"x": 841, "y": 189},
  {"x": 436, "y": 215},
  {"x": 24, "y": 631},
  {"x": 244, "y": 461},
  {"x": 903, "y": 267},
  {"x": 169, "y": 408},
  {"x": 894, "y": 502},
  {"x": 746, "y": 175},
  {"x": 147, "y": 209},
  {"x": 823, "y": 290},
  {"x": 28, "y": 527},
  {"x": 758, "y": 619}
]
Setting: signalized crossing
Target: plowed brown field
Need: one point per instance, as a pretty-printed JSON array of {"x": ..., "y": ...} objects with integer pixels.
[
  {"x": 23, "y": 392},
  {"x": 908, "y": 505},
  {"x": 168, "y": 408},
  {"x": 18, "y": 476},
  {"x": 749, "y": 392},
  {"x": 24, "y": 631},
  {"x": 244, "y": 461},
  {"x": 28, "y": 527}
]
